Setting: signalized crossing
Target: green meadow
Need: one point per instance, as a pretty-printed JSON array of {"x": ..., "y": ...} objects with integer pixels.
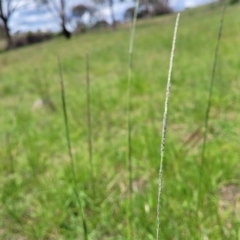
[{"x": 37, "y": 191}]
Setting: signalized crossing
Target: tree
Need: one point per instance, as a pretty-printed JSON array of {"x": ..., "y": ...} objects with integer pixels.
[
  {"x": 158, "y": 7},
  {"x": 7, "y": 8},
  {"x": 110, "y": 4},
  {"x": 234, "y": 1},
  {"x": 148, "y": 8},
  {"x": 78, "y": 11},
  {"x": 58, "y": 8}
]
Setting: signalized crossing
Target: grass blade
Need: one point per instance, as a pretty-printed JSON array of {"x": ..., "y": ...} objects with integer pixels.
[
  {"x": 74, "y": 179},
  {"x": 129, "y": 126},
  {"x": 164, "y": 126}
]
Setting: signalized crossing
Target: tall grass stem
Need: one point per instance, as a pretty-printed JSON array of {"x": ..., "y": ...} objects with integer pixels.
[
  {"x": 74, "y": 178},
  {"x": 89, "y": 124},
  {"x": 64, "y": 107},
  {"x": 209, "y": 103},
  {"x": 164, "y": 127},
  {"x": 10, "y": 155},
  {"x": 129, "y": 124}
]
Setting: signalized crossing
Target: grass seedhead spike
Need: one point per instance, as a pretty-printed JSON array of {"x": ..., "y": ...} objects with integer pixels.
[{"x": 164, "y": 127}]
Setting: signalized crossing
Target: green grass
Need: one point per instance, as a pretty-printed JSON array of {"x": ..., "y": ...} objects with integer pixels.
[{"x": 37, "y": 197}]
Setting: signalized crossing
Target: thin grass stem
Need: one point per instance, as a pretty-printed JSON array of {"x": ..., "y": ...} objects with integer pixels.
[
  {"x": 66, "y": 121},
  {"x": 74, "y": 179},
  {"x": 209, "y": 103},
  {"x": 89, "y": 124},
  {"x": 206, "y": 125},
  {"x": 129, "y": 124},
  {"x": 164, "y": 127},
  {"x": 10, "y": 155}
]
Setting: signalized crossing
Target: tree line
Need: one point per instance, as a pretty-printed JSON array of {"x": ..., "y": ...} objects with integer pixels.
[
  {"x": 9, "y": 7},
  {"x": 58, "y": 9}
]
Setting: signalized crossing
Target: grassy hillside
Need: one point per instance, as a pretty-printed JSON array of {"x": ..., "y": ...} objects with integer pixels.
[{"x": 37, "y": 197}]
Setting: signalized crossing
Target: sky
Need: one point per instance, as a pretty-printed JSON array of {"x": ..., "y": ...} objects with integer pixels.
[{"x": 34, "y": 18}]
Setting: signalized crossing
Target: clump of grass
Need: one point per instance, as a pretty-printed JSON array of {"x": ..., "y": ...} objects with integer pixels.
[
  {"x": 74, "y": 178},
  {"x": 164, "y": 127},
  {"x": 49, "y": 197}
]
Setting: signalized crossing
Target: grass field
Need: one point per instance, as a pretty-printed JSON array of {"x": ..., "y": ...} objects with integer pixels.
[{"x": 37, "y": 195}]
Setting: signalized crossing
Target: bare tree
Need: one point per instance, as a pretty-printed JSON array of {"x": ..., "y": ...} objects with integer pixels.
[
  {"x": 110, "y": 2},
  {"x": 58, "y": 9},
  {"x": 7, "y": 8}
]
